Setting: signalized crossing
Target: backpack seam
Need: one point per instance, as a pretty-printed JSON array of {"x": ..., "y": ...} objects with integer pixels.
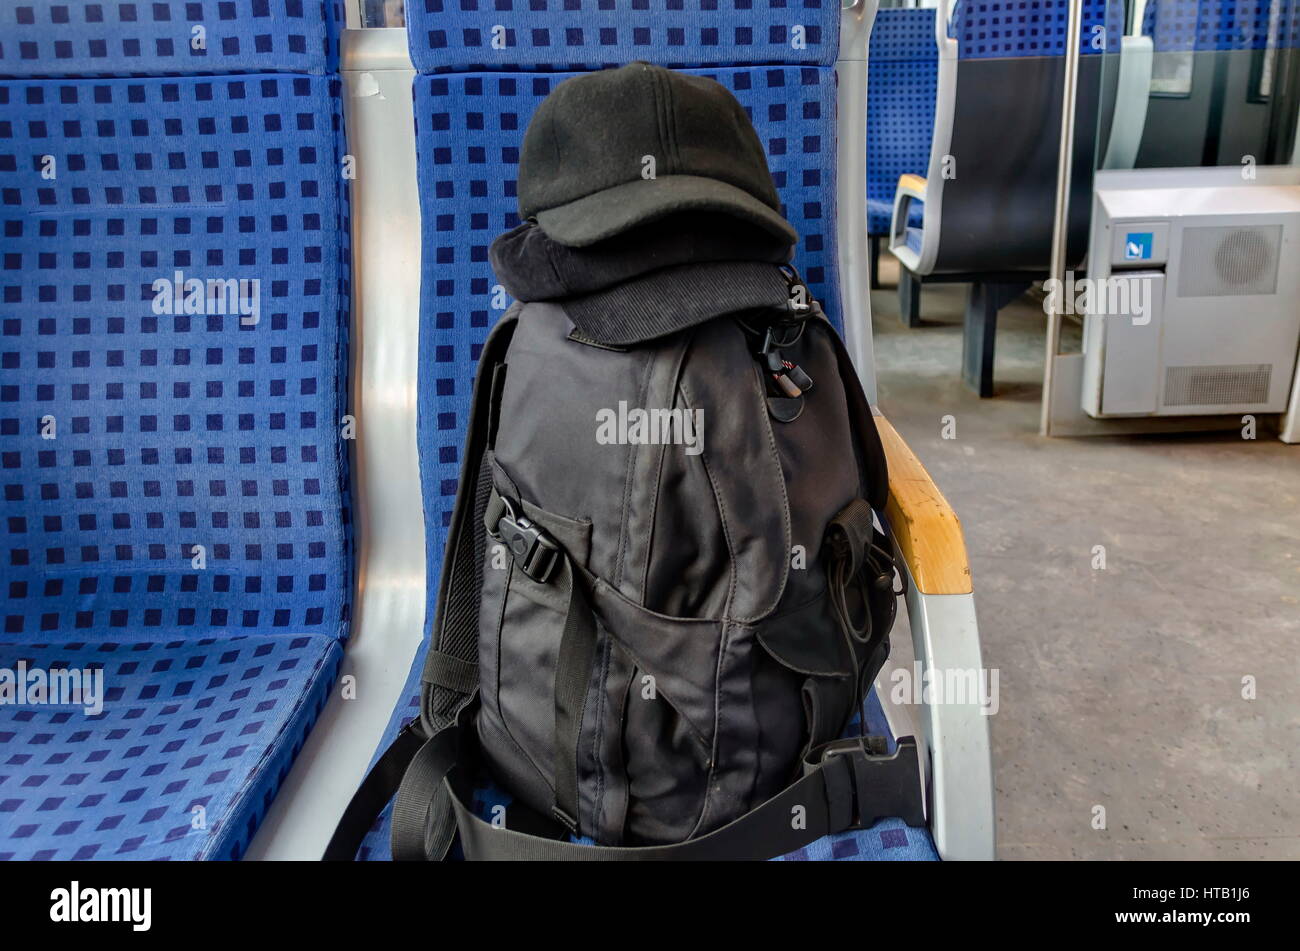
[
  {"x": 681, "y": 351},
  {"x": 628, "y": 479}
]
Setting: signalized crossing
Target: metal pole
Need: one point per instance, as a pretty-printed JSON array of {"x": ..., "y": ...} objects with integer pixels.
[
  {"x": 856, "y": 19},
  {"x": 1061, "y": 230}
]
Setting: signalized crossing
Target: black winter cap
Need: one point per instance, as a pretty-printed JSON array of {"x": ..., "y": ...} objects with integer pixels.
[{"x": 584, "y": 172}]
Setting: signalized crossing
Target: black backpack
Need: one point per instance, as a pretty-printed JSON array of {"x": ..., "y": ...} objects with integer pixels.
[{"x": 662, "y": 601}]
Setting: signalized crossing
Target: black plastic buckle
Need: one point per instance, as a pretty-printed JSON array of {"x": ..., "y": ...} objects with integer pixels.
[
  {"x": 535, "y": 552},
  {"x": 884, "y": 786}
]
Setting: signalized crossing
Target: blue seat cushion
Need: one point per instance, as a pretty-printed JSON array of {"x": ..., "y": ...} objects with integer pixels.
[
  {"x": 880, "y": 212},
  {"x": 887, "y": 840},
  {"x": 192, "y": 742}
]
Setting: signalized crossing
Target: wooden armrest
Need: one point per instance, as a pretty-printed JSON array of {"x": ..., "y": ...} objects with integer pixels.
[
  {"x": 912, "y": 183},
  {"x": 925, "y": 527}
]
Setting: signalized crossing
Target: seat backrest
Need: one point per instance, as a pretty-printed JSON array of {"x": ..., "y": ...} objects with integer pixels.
[
  {"x": 1221, "y": 88},
  {"x": 901, "y": 89},
  {"x": 998, "y": 207},
  {"x": 1210, "y": 25},
  {"x": 483, "y": 70},
  {"x": 114, "y": 38},
  {"x": 174, "y": 312},
  {"x": 577, "y": 35}
]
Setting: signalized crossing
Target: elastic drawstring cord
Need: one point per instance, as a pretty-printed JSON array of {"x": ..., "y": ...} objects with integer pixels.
[{"x": 838, "y": 582}]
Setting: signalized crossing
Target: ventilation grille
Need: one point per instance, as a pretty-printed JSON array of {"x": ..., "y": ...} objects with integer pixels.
[
  {"x": 1217, "y": 386},
  {"x": 1229, "y": 262}
]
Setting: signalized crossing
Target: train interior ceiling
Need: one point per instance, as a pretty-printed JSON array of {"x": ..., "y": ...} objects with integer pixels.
[{"x": 1061, "y": 241}]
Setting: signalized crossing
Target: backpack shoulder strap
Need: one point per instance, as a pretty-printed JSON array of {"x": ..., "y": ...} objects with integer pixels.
[
  {"x": 844, "y": 786},
  {"x": 450, "y": 677}
]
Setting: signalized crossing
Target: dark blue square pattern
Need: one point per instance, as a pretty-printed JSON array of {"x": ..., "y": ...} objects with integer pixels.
[
  {"x": 1014, "y": 29},
  {"x": 193, "y": 741},
  {"x": 563, "y": 35},
  {"x": 167, "y": 37},
  {"x": 175, "y": 437},
  {"x": 173, "y": 482},
  {"x": 1177, "y": 26},
  {"x": 902, "y": 86}
]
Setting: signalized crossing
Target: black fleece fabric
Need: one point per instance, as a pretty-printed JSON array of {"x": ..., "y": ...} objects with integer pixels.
[
  {"x": 654, "y": 280},
  {"x": 584, "y": 156}
]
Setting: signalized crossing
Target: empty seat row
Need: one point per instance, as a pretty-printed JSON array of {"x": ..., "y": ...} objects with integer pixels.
[
  {"x": 986, "y": 201},
  {"x": 1191, "y": 87},
  {"x": 989, "y": 190}
]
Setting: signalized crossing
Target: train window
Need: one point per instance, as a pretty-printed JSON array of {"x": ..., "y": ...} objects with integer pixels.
[
  {"x": 1171, "y": 73},
  {"x": 1223, "y": 86},
  {"x": 377, "y": 13}
]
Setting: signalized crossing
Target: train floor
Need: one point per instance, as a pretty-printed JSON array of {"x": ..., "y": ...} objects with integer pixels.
[{"x": 1163, "y": 688}]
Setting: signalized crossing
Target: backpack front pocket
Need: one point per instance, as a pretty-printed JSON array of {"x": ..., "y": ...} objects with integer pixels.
[{"x": 521, "y": 623}]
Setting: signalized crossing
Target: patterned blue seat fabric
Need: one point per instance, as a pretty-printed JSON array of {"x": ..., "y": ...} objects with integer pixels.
[
  {"x": 173, "y": 485},
  {"x": 484, "y": 65},
  {"x": 1013, "y": 29},
  {"x": 509, "y": 35},
  {"x": 1198, "y": 25},
  {"x": 902, "y": 82}
]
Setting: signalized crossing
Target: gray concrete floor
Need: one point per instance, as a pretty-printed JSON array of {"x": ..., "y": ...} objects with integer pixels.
[{"x": 1119, "y": 687}]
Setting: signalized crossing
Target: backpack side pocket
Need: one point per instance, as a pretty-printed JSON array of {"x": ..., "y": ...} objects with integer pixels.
[{"x": 521, "y": 623}]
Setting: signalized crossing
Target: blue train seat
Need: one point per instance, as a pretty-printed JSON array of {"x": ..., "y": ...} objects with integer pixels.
[
  {"x": 481, "y": 73},
  {"x": 988, "y": 197},
  {"x": 902, "y": 79},
  {"x": 173, "y": 377}
]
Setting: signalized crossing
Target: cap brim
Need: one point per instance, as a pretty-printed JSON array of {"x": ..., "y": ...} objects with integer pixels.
[{"x": 615, "y": 210}]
